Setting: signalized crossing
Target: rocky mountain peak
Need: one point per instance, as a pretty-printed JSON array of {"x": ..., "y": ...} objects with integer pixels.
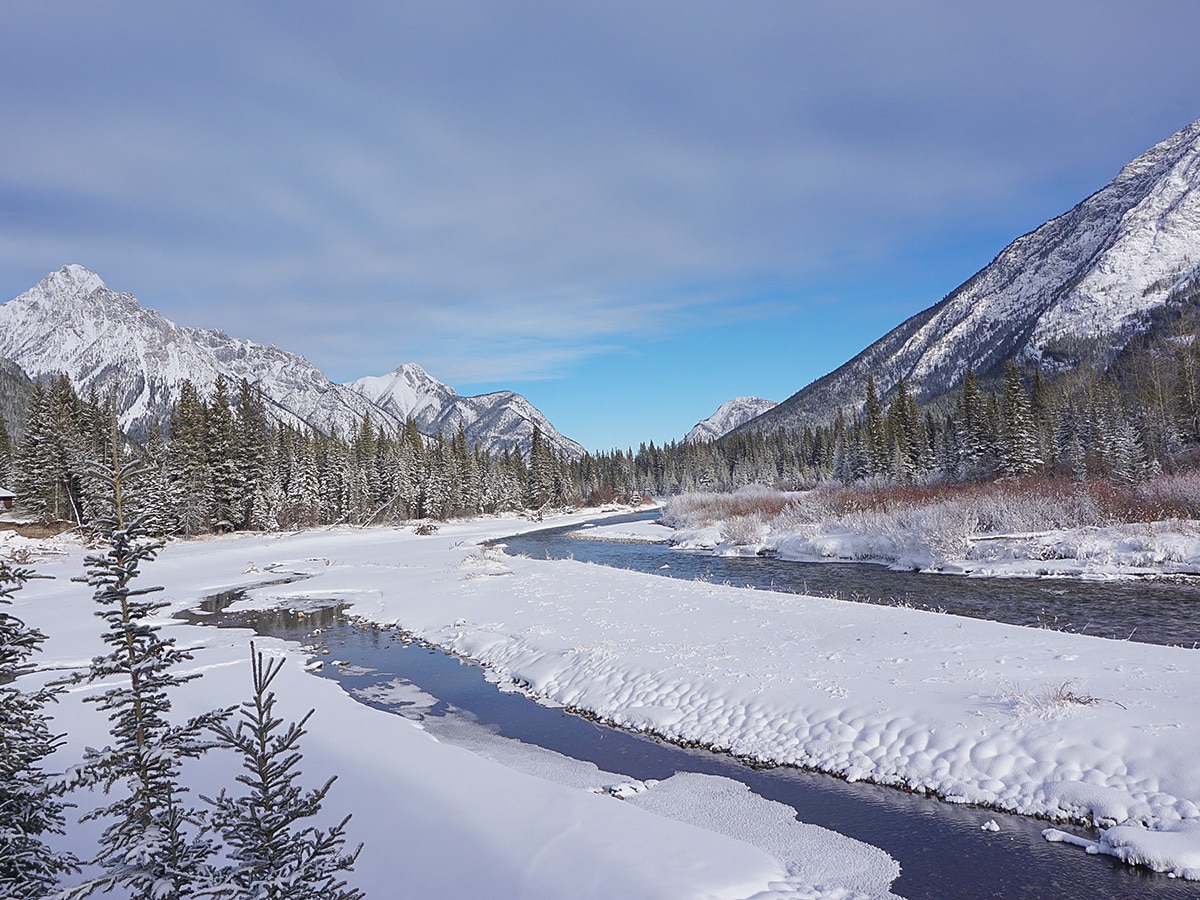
[
  {"x": 70, "y": 322},
  {"x": 1070, "y": 293},
  {"x": 729, "y": 416},
  {"x": 71, "y": 282}
]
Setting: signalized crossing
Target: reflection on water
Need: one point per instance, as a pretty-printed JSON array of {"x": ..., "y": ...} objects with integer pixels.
[
  {"x": 291, "y": 623},
  {"x": 1162, "y": 611}
]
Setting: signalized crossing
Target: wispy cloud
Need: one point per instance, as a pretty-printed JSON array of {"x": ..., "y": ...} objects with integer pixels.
[{"x": 508, "y": 190}]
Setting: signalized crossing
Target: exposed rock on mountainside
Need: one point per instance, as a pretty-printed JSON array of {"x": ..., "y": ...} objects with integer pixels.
[
  {"x": 1073, "y": 292},
  {"x": 72, "y": 323}
]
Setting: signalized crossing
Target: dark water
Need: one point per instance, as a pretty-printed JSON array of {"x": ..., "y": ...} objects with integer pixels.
[
  {"x": 1152, "y": 611},
  {"x": 942, "y": 849}
]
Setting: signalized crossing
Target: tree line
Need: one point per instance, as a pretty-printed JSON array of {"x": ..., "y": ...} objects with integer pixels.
[{"x": 218, "y": 464}]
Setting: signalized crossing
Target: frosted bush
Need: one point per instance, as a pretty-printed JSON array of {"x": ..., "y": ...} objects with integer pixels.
[
  {"x": 944, "y": 530},
  {"x": 699, "y": 510},
  {"x": 1173, "y": 496},
  {"x": 932, "y": 521},
  {"x": 744, "y": 531}
]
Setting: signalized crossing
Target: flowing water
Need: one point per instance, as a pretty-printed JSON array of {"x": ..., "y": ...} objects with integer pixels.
[
  {"x": 1154, "y": 611},
  {"x": 943, "y": 851}
]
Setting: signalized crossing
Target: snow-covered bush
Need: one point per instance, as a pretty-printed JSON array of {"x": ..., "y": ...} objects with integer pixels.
[
  {"x": 744, "y": 531},
  {"x": 699, "y": 510},
  {"x": 925, "y": 525},
  {"x": 1172, "y": 496}
]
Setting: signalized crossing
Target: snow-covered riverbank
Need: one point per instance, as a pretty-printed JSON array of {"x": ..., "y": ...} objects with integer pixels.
[
  {"x": 437, "y": 820},
  {"x": 1034, "y": 721},
  {"x": 941, "y": 537}
]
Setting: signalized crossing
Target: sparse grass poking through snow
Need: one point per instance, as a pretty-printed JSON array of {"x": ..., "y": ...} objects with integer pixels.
[
  {"x": 701, "y": 509},
  {"x": 1049, "y": 702}
]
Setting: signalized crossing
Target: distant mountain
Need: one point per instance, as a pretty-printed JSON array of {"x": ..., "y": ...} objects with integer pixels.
[
  {"x": 72, "y": 323},
  {"x": 1073, "y": 292},
  {"x": 493, "y": 421},
  {"x": 729, "y": 415}
]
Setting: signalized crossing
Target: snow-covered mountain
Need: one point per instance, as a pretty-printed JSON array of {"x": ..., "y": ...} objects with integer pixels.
[
  {"x": 494, "y": 421},
  {"x": 72, "y": 323},
  {"x": 1072, "y": 292},
  {"x": 729, "y": 415}
]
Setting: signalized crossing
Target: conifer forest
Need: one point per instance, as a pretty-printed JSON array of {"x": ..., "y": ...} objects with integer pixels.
[{"x": 219, "y": 464}]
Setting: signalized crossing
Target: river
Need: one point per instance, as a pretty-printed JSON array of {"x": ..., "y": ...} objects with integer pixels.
[
  {"x": 1154, "y": 611},
  {"x": 942, "y": 848}
]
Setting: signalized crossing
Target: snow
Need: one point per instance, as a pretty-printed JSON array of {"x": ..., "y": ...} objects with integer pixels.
[
  {"x": 1115, "y": 551},
  {"x": 1037, "y": 722},
  {"x": 491, "y": 817},
  {"x": 644, "y": 532},
  {"x": 729, "y": 415},
  {"x": 1086, "y": 278},
  {"x": 71, "y": 322}
]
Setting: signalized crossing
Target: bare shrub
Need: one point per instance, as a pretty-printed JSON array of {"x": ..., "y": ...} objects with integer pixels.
[
  {"x": 940, "y": 519},
  {"x": 701, "y": 509},
  {"x": 1175, "y": 496}
]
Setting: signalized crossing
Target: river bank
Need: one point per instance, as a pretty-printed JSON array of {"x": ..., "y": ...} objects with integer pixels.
[
  {"x": 1037, "y": 722},
  {"x": 436, "y": 820}
]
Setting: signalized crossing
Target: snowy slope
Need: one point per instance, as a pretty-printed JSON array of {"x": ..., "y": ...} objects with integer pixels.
[
  {"x": 494, "y": 421},
  {"x": 729, "y": 415},
  {"x": 1071, "y": 292},
  {"x": 71, "y": 322}
]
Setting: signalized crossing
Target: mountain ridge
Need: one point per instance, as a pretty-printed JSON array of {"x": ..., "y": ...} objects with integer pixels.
[
  {"x": 728, "y": 416},
  {"x": 71, "y": 322},
  {"x": 494, "y": 421},
  {"x": 1071, "y": 292}
]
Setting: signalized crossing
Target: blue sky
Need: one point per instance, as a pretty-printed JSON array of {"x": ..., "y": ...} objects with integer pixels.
[{"x": 629, "y": 212}]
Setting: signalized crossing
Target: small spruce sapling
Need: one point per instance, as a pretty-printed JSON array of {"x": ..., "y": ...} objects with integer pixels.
[
  {"x": 30, "y": 801},
  {"x": 276, "y": 857},
  {"x": 156, "y": 846}
]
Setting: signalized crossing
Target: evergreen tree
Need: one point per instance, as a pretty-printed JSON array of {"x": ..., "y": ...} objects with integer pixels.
[
  {"x": 221, "y": 441},
  {"x": 972, "y": 427},
  {"x": 250, "y": 455},
  {"x": 6, "y": 451},
  {"x": 188, "y": 462},
  {"x": 1018, "y": 440},
  {"x": 30, "y": 805},
  {"x": 541, "y": 472},
  {"x": 878, "y": 455},
  {"x": 277, "y": 857},
  {"x": 156, "y": 847},
  {"x": 52, "y": 458}
]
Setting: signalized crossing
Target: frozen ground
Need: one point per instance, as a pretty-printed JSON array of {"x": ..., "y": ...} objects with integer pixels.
[
  {"x": 459, "y": 813},
  {"x": 1032, "y": 721}
]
